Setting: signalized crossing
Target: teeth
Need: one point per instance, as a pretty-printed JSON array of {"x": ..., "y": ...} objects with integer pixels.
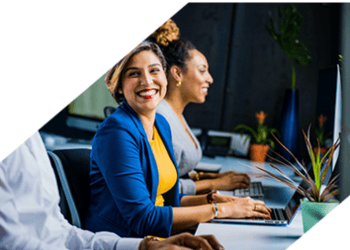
[
  {"x": 147, "y": 93},
  {"x": 205, "y": 90}
]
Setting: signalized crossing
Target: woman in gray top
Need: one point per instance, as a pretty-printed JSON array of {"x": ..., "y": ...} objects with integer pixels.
[{"x": 188, "y": 81}]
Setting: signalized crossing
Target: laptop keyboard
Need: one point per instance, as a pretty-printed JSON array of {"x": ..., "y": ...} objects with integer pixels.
[
  {"x": 254, "y": 190},
  {"x": 277, "y": 214}
]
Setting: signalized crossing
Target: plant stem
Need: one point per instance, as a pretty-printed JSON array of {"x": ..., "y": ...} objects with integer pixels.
[{"x": 293, "y": 73}]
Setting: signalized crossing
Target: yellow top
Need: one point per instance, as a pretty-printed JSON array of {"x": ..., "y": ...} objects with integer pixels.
[{"x": 166, "y": 169}]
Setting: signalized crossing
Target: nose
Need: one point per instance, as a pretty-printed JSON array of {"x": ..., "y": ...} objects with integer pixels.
[
  {"x": 147, "y": 79},
  {"x": 210, "y": 78}
]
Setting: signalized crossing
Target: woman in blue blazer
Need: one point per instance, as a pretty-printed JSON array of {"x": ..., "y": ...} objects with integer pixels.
[{"x": 125, "y": 176}]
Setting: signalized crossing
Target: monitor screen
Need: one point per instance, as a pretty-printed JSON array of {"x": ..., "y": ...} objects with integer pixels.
[{"x": 86, "y": 111}]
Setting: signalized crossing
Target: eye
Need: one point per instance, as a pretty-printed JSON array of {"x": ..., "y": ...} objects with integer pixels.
[
  {"x": 133, "y": 73},
  {"x": 154, "y": 70}
]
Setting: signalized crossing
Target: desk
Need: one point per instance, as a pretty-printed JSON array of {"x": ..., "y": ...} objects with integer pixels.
[{"x": 234, "y": 236}]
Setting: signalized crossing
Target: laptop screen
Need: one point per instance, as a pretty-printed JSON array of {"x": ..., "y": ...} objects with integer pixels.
[{"x": 293, "y": 205}]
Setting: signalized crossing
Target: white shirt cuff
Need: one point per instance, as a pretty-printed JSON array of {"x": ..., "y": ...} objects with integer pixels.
[{"x": 128, "y": 244}]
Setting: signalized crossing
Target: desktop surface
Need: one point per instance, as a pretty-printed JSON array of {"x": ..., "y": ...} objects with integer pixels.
[
  {"x": 239, "y": 236},
  {"x": 234, "y": 236}
]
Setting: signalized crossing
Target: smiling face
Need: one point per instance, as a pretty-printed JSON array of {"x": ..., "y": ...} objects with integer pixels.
[
  {"x": 143, "y": 82},
  {"x": 196, "y": 79}
]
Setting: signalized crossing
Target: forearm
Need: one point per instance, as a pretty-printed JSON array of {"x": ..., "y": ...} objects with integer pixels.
[
  {"x": 194, "y": 200},
  {"x": 187, "y": 217},
  {"x": 205, "y": 186}
]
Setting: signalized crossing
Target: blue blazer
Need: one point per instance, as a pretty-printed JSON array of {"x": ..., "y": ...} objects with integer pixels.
[{"x": 124, "y": 178}]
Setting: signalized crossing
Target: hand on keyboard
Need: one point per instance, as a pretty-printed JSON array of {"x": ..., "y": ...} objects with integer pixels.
[
  {"x": 231, "y": 181},
  {"x": 244, "y": 208}
]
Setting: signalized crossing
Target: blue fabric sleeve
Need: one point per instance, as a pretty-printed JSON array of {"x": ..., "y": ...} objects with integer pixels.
[{"x": 118, "y": 154}]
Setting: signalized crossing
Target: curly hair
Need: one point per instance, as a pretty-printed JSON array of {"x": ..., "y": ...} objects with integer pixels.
[
  {"x": 113, "y": 77},
  {"x": 175, "y": 49},
  {"x": 166, "y": 33}
]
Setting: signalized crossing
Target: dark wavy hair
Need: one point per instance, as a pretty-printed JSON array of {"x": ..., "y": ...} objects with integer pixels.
[{"x": 113, "y": 77}]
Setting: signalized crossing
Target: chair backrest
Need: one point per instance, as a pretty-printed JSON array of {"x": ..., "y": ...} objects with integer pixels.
[
  {"x": 76, "y": 168},
  {"x": 65, "y": 208},
  {"x": 108, "y": 110}
]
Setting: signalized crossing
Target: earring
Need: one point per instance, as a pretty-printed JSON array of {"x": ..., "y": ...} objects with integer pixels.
[
  {"x": 120, "y": 90},
  {"x": 178, "y": 84}
]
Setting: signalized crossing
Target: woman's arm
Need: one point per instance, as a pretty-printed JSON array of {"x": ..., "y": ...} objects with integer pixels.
[
  {"x": 223, "y": 181},
  {"x": 196, "y": 200},
  {"x": 186, "y": 217}
]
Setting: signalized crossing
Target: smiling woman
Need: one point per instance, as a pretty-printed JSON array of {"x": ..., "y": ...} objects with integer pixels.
[
  {"x": 188, "y": 82},
  {"x": 134, "y": 175},
  {"x": 144, "y": 84}
]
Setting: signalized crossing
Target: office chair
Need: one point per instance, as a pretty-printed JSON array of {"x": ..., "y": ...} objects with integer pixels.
[
  {"x": 108, "y": 110},
  {"x": 63, "y": 201},
  {"x": 72, "y": 167}
]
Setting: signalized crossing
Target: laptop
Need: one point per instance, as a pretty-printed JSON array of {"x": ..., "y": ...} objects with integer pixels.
[{"x": 279, "y": 216}]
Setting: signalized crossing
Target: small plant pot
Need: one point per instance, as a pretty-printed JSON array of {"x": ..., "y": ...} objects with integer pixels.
[
  {"x": 323, "y": 150},
  {"x": 313, "y": 212},
  {"x": 258, "y": 152}
]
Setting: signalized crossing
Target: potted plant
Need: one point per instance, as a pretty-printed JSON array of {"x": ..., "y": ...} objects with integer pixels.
[
  {"x": 321, "y": 136},
  {"x": 260, "y": 138},
  {"x": 285, "y": 36},
  {"x": 317, "y": 201}
]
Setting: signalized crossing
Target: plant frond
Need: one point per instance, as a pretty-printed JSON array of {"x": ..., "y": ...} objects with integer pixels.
[
  {"x": 290, "y": 184},
  {"x": 330, "y": 196}
]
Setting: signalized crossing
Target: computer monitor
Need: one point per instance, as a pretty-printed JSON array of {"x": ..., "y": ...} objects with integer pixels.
[
  {"x": 86, "y": 111},
  {"x": 329, "y": 103},
  {"x": 81, "y": 118},
  {"x": 337, "y": 116}
]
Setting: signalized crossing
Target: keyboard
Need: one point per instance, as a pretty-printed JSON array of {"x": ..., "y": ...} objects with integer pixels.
[
  {"x": 277, "y": 214},
  {"x": 255, "y": 191}
]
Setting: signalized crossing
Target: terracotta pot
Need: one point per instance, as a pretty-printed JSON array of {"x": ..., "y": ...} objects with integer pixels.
[
  {"x": 258, "y": 152},
  {"x": 323, "y": 150}
]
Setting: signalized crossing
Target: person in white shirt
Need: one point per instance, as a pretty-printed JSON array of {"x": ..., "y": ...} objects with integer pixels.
[{"x": 30, "y": 217}]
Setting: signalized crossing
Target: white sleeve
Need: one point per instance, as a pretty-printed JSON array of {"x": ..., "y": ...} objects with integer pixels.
[
  {"x": 30, "y": 217},
  {"x": 80, "y": 239},
  {"x": 12, "y": 234}
]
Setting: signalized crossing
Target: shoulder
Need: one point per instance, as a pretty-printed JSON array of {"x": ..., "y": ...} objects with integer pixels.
[
  {"x": 117, "y": 126},
  {"x": 162, "y": 124},
  {"x": 160, "y": 119},
  {"x": 164, "y": 109},
  {"x": 122, "y": 118}
]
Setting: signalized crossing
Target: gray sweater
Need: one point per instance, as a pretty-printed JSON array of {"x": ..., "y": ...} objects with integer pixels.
[{"x": 186, "y": 154}]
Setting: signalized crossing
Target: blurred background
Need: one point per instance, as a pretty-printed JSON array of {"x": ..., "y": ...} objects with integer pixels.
[{"x": 251, "y": 71}]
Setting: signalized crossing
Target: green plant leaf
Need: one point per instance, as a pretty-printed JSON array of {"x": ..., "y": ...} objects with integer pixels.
[
  {"x": 285, "y": 37},
  {"x": 313, "y": 193},
  {"x": 243, "y": 128}
]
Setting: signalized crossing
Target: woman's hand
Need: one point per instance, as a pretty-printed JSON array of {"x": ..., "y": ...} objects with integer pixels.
[
  {"x": 231, "y": 181},
  {"x": 183, "y": 241},
  {"x": 244, "y": 208}
]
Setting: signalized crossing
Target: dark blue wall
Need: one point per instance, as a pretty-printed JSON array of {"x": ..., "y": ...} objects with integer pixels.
[{"x": 250, "y": 71}]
